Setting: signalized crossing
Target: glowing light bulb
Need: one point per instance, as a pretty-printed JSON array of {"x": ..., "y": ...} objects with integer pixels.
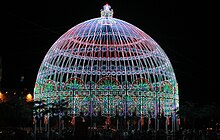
[
  {"x": 29, "y": 98},
  {"x": 107, "y": 7}
]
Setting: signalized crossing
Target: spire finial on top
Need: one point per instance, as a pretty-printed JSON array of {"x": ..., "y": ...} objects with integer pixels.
[{"x": 106, "y": 12}]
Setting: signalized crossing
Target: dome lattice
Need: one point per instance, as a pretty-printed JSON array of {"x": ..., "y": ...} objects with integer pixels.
[{"x": 106, "y": 65}]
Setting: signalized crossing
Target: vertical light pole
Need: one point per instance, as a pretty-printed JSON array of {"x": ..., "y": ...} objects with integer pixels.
[
  {"x": 126, "y": 105},
  {"x": 34, "y": 119},
  {"x": 149, "y": 121},
  {"x": 108, "y": 112},
  {"x": 73, "y": 119},
  {"x": 142, "y": 119},
  {"x": 158, "y": 118},
  {"x": 166, "y": 124},
  {"x": 48, "y": 120},
  {"x": 34, "y": 122},
  {"x": 59, "y": 115},
  {"x": 90, "y": 108},
  {"x": 174, "y": 116},
  {"x": 156, "y": 111},
  {"x": 116, "y": 118}
]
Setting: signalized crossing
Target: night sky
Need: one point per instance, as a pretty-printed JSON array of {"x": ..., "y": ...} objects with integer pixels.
[{"x": 31, "y": 27}]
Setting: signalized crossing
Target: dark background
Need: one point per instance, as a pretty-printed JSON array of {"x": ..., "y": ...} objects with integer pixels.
[{"x": 31, "y": 27}]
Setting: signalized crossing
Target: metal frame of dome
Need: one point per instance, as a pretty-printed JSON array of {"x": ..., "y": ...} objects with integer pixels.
[{"x": 108, "y": 66}]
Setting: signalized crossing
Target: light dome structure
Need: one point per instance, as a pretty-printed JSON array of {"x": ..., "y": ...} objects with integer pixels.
[{"x": 106, "y": 66}]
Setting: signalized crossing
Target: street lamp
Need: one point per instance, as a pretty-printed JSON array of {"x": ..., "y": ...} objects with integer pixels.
[
  {"x": 1, "y": 97},
  {"x": 29, "y": 97}
]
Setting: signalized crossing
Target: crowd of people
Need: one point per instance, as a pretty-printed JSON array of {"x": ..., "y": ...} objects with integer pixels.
[{"x": 109, "y": 134}]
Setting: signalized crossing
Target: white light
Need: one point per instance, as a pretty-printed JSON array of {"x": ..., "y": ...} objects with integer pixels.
[{"x": 107, "y": 7}]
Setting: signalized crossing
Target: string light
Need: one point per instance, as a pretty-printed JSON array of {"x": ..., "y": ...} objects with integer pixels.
[{"x": 108, "y": 66}]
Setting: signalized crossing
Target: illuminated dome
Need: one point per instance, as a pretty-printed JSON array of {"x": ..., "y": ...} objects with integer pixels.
[{"x": 110, "y": 67}]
